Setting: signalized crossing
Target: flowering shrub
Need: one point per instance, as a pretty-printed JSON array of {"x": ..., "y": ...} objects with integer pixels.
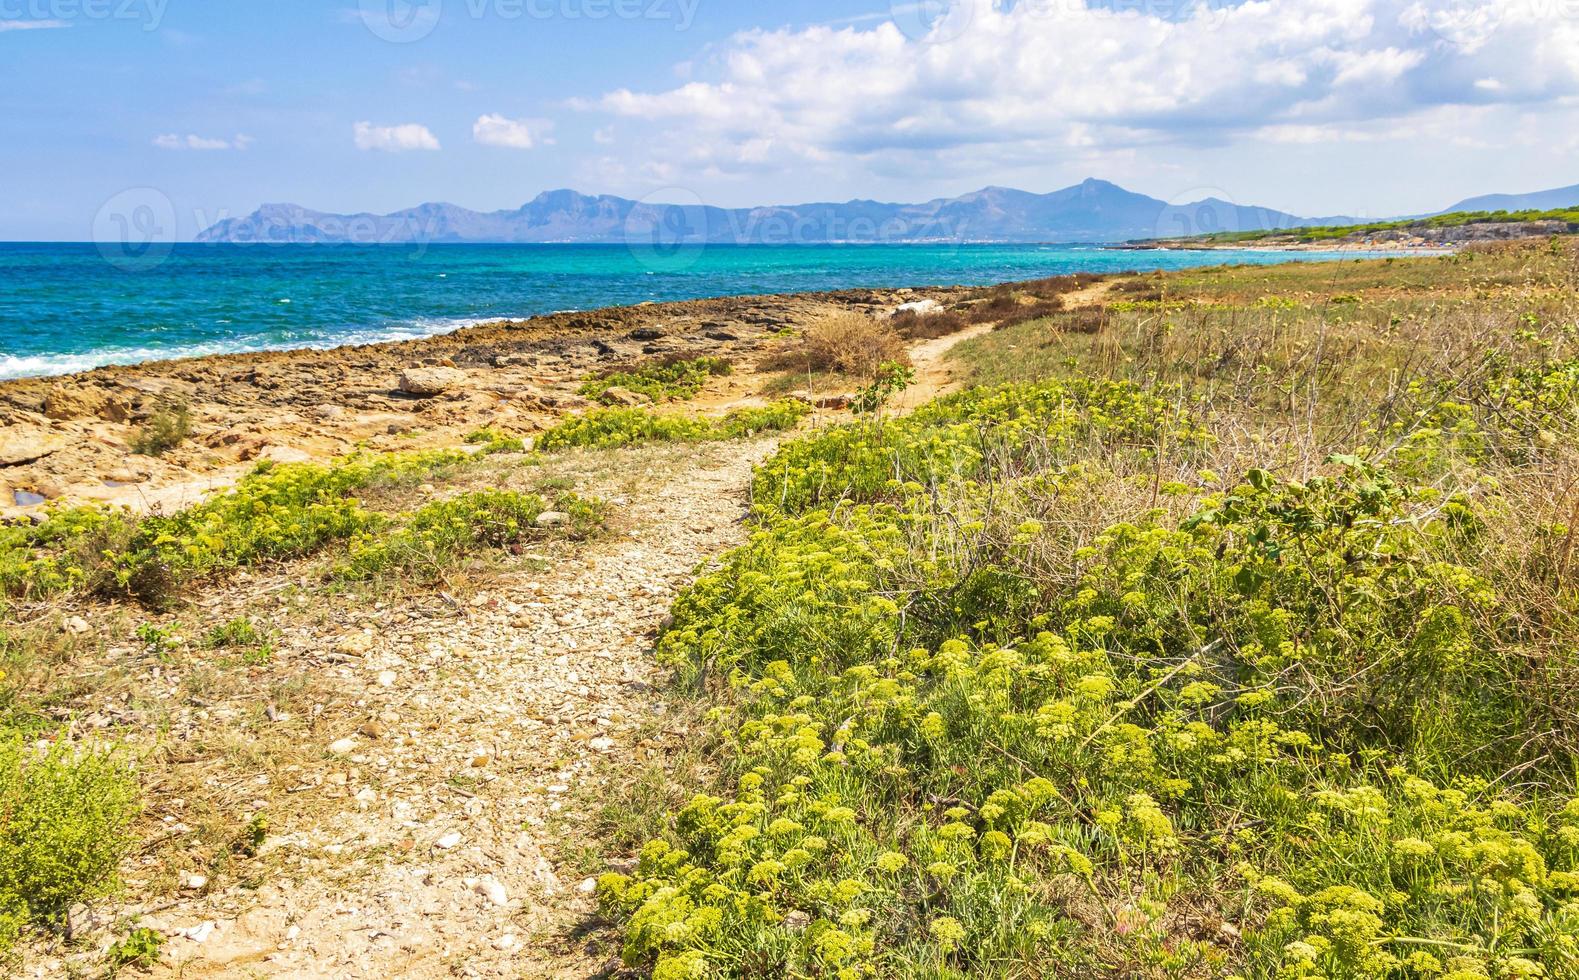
[
  {"x": 949, "y": 439},
  {"x": 1266, "y": 741},
  {"x": 275, "y": 512},
  {"x": 435, "y": 534},
  {"x": 660, "y": 381},
  {"x": 607, "y": 427}
]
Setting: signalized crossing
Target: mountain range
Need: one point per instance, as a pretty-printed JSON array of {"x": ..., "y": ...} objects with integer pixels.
[
  {"x": 1561, "y": 197},
  {"x": 1092, "y": 211}
]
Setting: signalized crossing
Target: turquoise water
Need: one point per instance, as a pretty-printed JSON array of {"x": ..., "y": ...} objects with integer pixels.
[{"x": 69, "y": 307}]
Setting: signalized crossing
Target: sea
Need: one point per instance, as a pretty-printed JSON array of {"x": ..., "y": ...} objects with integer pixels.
[{"x": 67, "y": 307}]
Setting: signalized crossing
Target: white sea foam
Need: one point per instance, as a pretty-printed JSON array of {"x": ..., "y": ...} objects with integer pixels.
[{"x": 46, "y": 365}]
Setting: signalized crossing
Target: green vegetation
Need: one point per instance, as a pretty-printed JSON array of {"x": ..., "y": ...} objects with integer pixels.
[
  {"x": 1456, "y": 219},
  {"x": 493, "y": 441},
  {"x": 660, "y": 381},
  {"x": 435, "y": 535},
  {"x": 892, "y": 378},
  {"x": 65, "y": 810},
  {"x": 278, "y": 511},
  {"x": 1226, "y": 643},
  {"x": 166, "y": 428},
  {"x": 608, "y": 427},
  {"x": 140, "y": 948}
]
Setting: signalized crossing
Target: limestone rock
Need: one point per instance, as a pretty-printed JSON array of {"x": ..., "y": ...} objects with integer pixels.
[
  {"x": 65, "y": 402},
  {"x": 429, "y": 381},
  {"x": 24, "y": 443}
]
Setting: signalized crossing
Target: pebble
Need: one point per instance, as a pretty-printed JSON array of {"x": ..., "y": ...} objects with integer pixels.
[
  {"x": 588, "y": 886},
  {"x": 193, "y": 882},
  {"x": 601, "y": 744},
  {"x": 198, "y": 933},
  {"x": 506, "y": 942},
  {"x": 552, "y": 518},
  {"x": 448, "y": 841},
  {"x": 386, "y": 678},
  {"x": 343, "y": 746},
  {"x": 492, "y": 889},
  {"x": 75, "y": 624}
]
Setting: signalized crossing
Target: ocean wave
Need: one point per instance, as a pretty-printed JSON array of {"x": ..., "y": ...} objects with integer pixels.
[{"x": 49, "y": 365}]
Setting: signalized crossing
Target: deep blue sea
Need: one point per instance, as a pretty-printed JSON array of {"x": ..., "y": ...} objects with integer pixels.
[{"x": 69, "y": 307}]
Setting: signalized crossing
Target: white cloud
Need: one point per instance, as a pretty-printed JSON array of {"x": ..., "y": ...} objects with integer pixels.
[
  {"x": 497, "y": 130},
  {"x": 31, "y": 25},
  {"x": 191, "y": 141},
  {"x": 994, "y": 83},
  {"x": 393, "y": 139}
]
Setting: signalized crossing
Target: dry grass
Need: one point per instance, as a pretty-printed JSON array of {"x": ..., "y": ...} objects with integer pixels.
[
  {"x": 844, "y": 343},
  {"x": 928, "y": 326}
]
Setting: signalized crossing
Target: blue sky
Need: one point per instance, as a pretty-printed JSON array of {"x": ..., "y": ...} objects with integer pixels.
[{"x": 1366, "y": 107}]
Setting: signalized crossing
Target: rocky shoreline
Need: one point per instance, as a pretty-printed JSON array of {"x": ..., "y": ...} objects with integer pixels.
[{"x": 69, "y": 438}]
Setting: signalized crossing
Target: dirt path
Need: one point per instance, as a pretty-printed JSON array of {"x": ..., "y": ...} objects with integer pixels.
[
  {"x": 432, "y": 853},
  {"x": 937, "y": 374}
]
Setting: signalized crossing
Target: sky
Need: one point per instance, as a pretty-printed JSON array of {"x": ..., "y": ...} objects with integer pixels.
[{"x": 184, "y": 112}]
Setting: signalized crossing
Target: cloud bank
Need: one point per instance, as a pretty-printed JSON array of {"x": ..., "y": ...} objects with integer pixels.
[{"x": 1007, "y": 83}]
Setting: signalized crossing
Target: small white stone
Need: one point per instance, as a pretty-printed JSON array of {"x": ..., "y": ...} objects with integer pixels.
[
  {"x": 505, "y": 942},
  {"x": 343, "y": 746},
  {"x": 198, "y": 933},
  {"x": 588, "y": 886},
  {"x": 386, "y": 678},
  {"x": 491, "y": 889},
  {"x": 448, "y": 841},
  {"x": 192, "y": 881},
  {"x": 601, "y": 744}
]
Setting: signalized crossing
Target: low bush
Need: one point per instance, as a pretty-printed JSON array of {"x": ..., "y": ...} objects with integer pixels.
[
  {"x": 276, "y": 512},
  {"x": 912, "y": 325},
  {"x": 436, "y": 534},
  {"x": 165, "y": 429},
  {"x": 846, "y": 343},
  {"x": 493, "y": 441},
  {"x": 660, "y": 380},
  {"x": 610, "y": 427},
  {"x": 950, "y": 438},
  {"x": 65, "y": 812}
]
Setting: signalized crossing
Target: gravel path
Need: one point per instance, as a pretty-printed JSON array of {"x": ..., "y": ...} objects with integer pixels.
[{"x": 432, "y": 856}]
